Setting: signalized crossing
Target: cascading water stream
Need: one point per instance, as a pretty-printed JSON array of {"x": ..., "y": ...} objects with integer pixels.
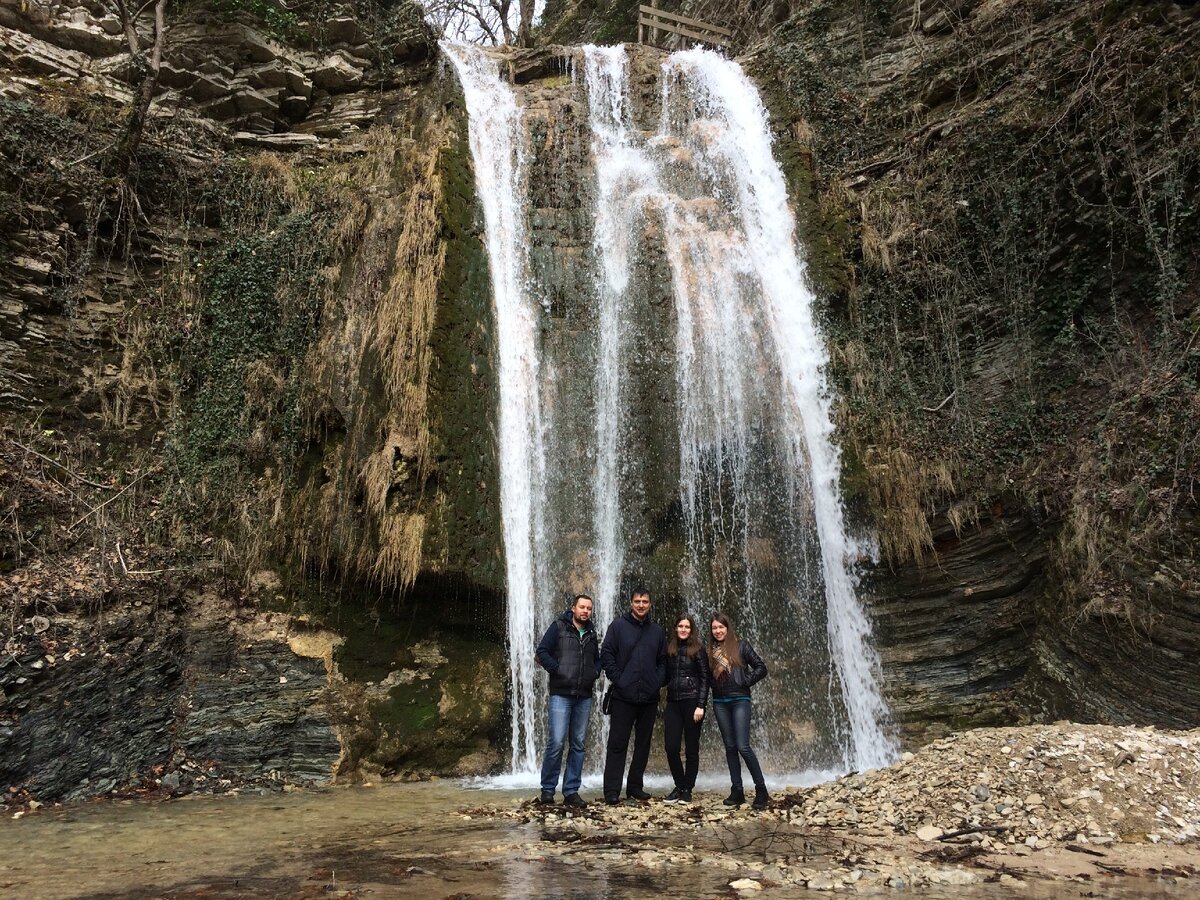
[
  {"x": 761, "y": 525},
  {"x": 498, "y": 151},
  {"x": 728, "y": 132},
  {"x": 615, "y": 220}
]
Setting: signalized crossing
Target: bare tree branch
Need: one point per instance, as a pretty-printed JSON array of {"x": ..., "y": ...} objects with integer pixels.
[{"x": 472, "y": 21}]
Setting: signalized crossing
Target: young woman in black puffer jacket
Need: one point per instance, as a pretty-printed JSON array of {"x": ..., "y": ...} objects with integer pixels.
[
  {"x": 687, "y": 693},
  {"x": 735, "y": 669}
]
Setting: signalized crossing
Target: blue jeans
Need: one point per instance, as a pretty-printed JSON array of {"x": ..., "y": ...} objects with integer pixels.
[
  {"x": 568, "y": 716},
  {"x": 733, "y": 718}
]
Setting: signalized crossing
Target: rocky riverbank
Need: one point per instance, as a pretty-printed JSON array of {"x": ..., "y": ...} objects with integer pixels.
[{"x": 1083, "y": 803}]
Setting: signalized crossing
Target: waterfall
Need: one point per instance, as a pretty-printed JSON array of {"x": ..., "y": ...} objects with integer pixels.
[
  {"x": 690, "y": 199},
  {"x": 724, "y": 125},
  {"x": 496, "y": 135},
  {"x": 617, "y": 170}
]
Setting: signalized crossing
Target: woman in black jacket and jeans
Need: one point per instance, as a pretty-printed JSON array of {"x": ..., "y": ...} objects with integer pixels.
[
  {"x": 687, "y": 694},
  {"x": 735, "y": 669}
]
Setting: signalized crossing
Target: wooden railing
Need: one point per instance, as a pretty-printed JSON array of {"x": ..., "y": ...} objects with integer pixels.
[{"x": 653, "y": 20}]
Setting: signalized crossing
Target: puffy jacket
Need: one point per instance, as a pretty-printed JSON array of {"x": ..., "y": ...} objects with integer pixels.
[
  {"x": 741, "y": 678},
  {"x": 571, "y": 658},
  {"x": 688, "y": 677},
  {"x": 634, "y": 657}
]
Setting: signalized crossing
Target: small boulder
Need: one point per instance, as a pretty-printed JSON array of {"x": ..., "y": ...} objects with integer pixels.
[{"x": 743, "y": 885}]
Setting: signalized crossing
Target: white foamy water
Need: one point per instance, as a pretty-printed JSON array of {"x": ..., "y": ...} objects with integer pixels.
[
  {"x": 657, "y": 783},
  {"x": 498, "y": 151}
]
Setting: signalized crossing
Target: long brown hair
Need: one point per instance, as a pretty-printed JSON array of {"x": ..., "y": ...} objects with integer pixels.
[
  {"x": 692, "y": 647},
  {"x": 731, "y": 646}
]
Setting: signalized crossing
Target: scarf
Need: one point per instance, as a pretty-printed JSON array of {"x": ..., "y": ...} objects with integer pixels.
[{"x": 721, "y": 665}]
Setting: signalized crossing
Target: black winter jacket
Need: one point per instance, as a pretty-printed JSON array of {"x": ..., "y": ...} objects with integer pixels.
[
  {"x": 634, "y": 657},
  {"x": 688, "y": 677},
  {"x": 573, "y": 660},
  {"x": 741, "y": 678}
]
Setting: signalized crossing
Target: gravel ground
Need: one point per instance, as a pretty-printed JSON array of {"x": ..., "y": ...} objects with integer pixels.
[{"x": 1021, "y": 807}]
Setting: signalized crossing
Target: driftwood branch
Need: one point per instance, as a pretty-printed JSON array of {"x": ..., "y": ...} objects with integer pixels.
[
  {"x": 975, "y": 829},
  {"x": 1075, "y": 848}
]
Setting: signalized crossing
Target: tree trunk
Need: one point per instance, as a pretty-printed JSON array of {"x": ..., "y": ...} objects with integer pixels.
[
  {"x": 147, "y": 66},
  {"x": 525, "y": 31}
]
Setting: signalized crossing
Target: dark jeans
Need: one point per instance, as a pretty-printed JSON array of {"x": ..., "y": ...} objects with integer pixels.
[
  {"x": 733, "y": 718},
  {"x": 623, "y": 719},
  {"x": 679, "y": 723}
]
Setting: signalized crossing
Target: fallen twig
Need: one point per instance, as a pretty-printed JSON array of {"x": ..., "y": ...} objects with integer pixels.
[
  {"x": 941, "y": 405},
  {"x": 121, "y": 556},
  {"x": 1075, "y": 848},
  {"x": 97, "y": 509},
  {"x": 53, "y": 462},
  {"x": 129, "y": 571}
]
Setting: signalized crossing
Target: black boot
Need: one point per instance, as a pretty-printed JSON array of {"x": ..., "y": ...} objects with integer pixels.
[
  {"x": 761, "y": 797},
  {"x": 736, "y": 797}
]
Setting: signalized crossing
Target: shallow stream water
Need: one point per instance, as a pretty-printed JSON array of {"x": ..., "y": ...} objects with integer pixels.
[{"x": 398, "y": 840}]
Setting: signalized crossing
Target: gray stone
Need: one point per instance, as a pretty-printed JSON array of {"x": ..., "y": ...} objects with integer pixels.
[
  {"x": 336, "y": 73},
  {"x": 343, "y": 30},
  {"x": 279, "y": 142},
  {"x": 250, "y": 101}
]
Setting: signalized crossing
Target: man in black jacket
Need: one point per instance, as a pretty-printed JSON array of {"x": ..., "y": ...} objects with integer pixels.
[
  {"x": 634, "y": 657},
  {"x": 569, "y": 653}
]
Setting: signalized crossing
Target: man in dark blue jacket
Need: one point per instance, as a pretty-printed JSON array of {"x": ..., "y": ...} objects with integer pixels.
[
  {"x": 634, "y": 657},
  {"x": 569, "y": 652}
]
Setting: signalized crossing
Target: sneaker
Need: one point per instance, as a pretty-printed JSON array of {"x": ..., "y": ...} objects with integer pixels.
[
  {"x": 674, "y": 797},
  {"x": 638, "y": 795},
  {"x": 685, "y": 796},
  {"x": 547, "y": 798},
  {"x": 612, "y": 801},
  {"x": 736, "y": 798},
  {"x": 761, "y": 797},
  {"x": 574, "y": 800}
]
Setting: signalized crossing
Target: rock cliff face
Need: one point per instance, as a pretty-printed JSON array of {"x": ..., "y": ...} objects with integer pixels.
[
  {"x": 263, "y": 351},
  {"x": 249, "y": 506},
  {"x": 971, "y": 175},
  {"x": 984, "y": 191}
]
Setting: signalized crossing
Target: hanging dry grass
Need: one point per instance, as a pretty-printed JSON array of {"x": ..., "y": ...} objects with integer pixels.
[
  {"x": 397, "y": 559},
  {"x": 901, "y": 488},
  {"x": 379, "y": 315}
]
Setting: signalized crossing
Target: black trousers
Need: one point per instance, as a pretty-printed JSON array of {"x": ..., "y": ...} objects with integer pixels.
[
  {"x": 679, "y": 724},
  {"x": 625, "y": 718}
]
